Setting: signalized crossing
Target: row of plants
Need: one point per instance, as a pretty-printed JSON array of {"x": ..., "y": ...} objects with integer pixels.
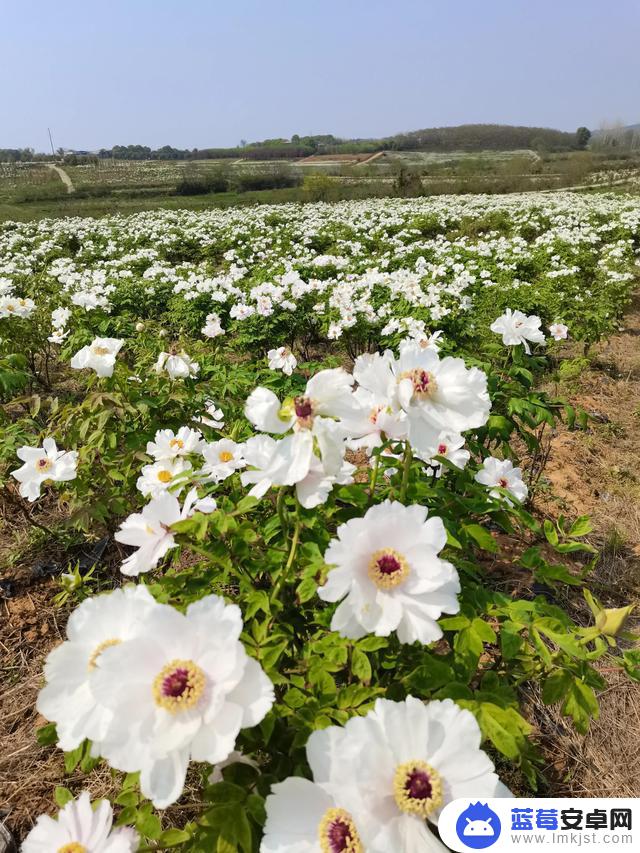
[{"x": 310, "y": 643}]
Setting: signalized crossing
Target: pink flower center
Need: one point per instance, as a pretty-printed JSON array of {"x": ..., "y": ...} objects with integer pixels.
[
  {"x": 387, "y": 568},
  {"x": 442, "y": 449},
  {"x": 417, "y": 788},
  {"x": 179, "y": 686},
  {"x": 337, "y": 833},
  {"x": 43, "y": 464},
  {"x": 176, "y": 683},
  {"x": 303, "y": 407},
  {"x": 503, "y": 483}
]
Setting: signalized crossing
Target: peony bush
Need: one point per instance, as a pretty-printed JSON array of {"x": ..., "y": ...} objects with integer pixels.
[{"x": 311, "y": 430}]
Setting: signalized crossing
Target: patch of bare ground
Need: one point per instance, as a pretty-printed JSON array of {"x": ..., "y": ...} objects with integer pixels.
[{"x": 597, "y": 472}]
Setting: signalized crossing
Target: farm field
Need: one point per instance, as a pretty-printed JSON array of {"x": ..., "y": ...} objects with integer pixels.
[
  {"x": 100, "y": 187},
  {"x": 281, "y": 485}
]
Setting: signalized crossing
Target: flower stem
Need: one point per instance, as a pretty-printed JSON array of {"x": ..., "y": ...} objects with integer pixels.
[
  {"x": 282, "y": 510},
  {"x": 406, "y": 467},
  {"x": 292, "y": 554},
  {"x": 374, "y": 478}
]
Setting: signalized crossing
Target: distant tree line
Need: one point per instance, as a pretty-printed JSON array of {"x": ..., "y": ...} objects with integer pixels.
[
  {"x": 22, "y": 155},
  {"x": 465, "y": 137}
]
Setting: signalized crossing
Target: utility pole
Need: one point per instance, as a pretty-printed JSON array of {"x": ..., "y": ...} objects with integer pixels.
[{"x": 51, "y": 141}]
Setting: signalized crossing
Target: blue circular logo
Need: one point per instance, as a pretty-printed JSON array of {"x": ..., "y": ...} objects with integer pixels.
[{"x": 478, "y": 826}]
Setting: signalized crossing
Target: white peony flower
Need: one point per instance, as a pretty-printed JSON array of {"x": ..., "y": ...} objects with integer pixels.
[
  {"x": 176, "y": 365},
  {"x": 412, "y": 760},
  {"x": 150, "y": 530},
  {"x": 304, "y": 817},
  {"x": 80, "y": 828},
  {"x": 45, "y": 464},
  {"x": 438, "y": 395},
  {"x": 13, "y": 306},
  {"x": 161, "y": 476},
  {"x": 100, "y": 356},
  {"x": 222, "y": 458},
  {"x": 293, "y": 461},
  {"x": 97, "y": 624},
  {"x": 282, "y": 359},
  {"x": 169, "y": 445},
  {"x": 212, "y": 327},
  {"x": 451, "y": 447},
  {"x": 517, "y": 328},
  {"x": 179, "y": 692},
  {"x": 58, "y": 336},
  {"x": 327, "y": 394},
  {"x": 389, "y": 576},
  {"x": 501, "y": 473},
  {"x": 214, "y": 416},
  {"x": 559, "y": 332},
  {"x": 377, "y": 414}
]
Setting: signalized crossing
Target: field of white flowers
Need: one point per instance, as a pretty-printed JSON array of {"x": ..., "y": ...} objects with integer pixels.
[{"x": 306, "y": 431}]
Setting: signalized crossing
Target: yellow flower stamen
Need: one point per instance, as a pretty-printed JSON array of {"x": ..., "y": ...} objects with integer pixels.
[
  {"x": 98, "y": 350},
  {"x": 176, "y": 442},
  {"x": 95, "y": 654},
  {"x": 388, "y": 569},
  {"x": 73, "y": 847},
  {"x": 337, "y": 833},
  {"x": 225, "y": 456},
  {"x": 417, "y": 788},
  {"x": 164, "y": 476},
  {"x": 179, "y": 685}
]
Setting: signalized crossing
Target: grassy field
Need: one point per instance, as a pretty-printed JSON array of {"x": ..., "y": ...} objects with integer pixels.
[{"x": 33, "y": 190}]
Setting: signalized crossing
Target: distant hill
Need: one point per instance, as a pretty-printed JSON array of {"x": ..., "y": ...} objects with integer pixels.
[
  {"x": 464, "y": 137},
  {"x": 483, "y": 137}
]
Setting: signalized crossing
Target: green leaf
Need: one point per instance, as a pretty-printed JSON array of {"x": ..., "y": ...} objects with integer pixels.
[
  {"x": 306, "y": 589},
  {"x": 453, "y": 623},
  {"x": 581, "y": 705},
  {"x": 245, "y": 505},
  {"x": 550, "y": 532},
  {"x": 47, "y": 735},
  {"x": 127, "y": 798},
  {"x": 373, "y": 644},
  {"x": 556, "y": 686},
  {"x": 581, "y": 526},
  {"x": 482, "y": 537},
  {"x": 631, "y": 663},
  {"x": 62, "y": 796},
  {"x": 499, "y": 425},
  {"x": 173, "y": 837},
  {"x": 360, "y": 666},
  {"x": 256, "y": 809},
  {"x": 149, "y": 825},
  {"x": 510, "y": 643}
]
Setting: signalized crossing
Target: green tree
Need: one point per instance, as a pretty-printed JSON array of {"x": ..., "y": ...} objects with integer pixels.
[{"x": 583, "y": 135}]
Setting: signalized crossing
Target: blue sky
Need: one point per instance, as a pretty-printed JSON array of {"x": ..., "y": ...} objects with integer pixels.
[{"x": 192, "y": 73}]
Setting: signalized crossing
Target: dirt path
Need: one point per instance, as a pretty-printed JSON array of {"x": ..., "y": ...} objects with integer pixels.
[
  {"x": 64, "y": 177},
  {"x": 370, "y": 159},
  {"x": 597, "y": 472}
]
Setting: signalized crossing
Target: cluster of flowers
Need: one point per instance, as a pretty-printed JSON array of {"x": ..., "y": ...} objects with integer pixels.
[
  {"x": 154, "y": 688},
  {"x": 379, "y": 782},
  {"x": 384, "y": 268}
]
